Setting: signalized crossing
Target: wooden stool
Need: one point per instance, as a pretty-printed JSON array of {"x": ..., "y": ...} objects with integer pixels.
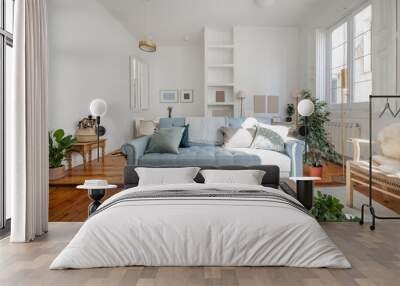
[{"x": 85, "y": 149}]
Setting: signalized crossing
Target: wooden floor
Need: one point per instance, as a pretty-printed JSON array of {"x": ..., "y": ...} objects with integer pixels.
[
  {"x": 375, "y": 257},
  {"x": 68, "y": 204}
]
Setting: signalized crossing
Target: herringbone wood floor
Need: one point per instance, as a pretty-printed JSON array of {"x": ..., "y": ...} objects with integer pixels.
[{"x": 375, "y": 257}]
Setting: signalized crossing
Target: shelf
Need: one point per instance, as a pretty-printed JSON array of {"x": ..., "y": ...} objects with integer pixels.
[
  {"x": 221, "y": 66},
  {"x": 221, "y": 46},
  {"x": 220, "y": 84},
  {"x": 221, "y": 104}
]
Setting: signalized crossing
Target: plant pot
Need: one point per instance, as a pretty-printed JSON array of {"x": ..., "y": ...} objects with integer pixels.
[
  {"x": 56, "y": 173},
  {"x": 288, "y": 119},
  {"x": 315, "y": 171}
]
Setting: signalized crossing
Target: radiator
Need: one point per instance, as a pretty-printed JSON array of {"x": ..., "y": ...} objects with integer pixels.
[{"x": 349, "y": 129}]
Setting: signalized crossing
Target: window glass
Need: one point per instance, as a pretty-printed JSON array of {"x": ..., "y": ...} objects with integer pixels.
[
  {"x": 9, "y": 11},
  {"x": 362, "y": 64},
  {"x": 338, "y": 63}
]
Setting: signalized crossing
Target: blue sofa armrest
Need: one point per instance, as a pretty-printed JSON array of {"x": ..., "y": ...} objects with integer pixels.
[
  {"x": 295, "y": 150},
  {"x": 135, "y": 149}
]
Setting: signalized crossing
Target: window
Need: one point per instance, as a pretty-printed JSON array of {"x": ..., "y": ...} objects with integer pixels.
[
  {"x": 362, "y": 66},
  {"x": 338, "y": 62},
  {"x": 6, "y": 60},
  {"x": 350, "y": 59}
]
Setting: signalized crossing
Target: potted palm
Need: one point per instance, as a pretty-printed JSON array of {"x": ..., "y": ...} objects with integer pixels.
[
  {"x": 319, "y": 147},
  {"x": 289, "y": 112},
  {"x": 59, "y": 145}
]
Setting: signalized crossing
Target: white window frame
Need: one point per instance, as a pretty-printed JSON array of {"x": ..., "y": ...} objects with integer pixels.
[{"x": 350, "y": 105}]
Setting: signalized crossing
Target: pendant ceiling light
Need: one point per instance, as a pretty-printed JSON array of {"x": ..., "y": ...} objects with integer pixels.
[{"x": 147, "y": 45}]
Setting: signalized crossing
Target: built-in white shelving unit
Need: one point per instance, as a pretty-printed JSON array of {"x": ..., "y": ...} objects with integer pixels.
[{"x": 219, "y": 68}]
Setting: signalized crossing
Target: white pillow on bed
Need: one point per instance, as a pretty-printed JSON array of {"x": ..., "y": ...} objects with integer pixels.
[
  {"x": 247, "y": 177},
  {"x": 166, "y": 176}
]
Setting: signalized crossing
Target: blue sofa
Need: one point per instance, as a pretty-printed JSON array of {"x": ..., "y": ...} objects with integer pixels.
[{"x": 213, "y": 153}]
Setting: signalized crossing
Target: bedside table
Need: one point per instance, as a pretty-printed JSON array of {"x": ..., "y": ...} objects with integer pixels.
[
  {"x": 305, "y": 190},
  {"x": 96, "y": 190}
]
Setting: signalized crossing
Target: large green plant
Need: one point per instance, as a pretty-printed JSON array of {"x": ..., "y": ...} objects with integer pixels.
[
  {"x": 59, "y": 145},
  {"x": 319, "y": 147},
  {"x": 329, "y": 209}
]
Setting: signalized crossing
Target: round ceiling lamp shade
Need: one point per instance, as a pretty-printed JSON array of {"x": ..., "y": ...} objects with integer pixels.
[
  {"x": 98, "y": 107},
  {"x": 147, "y": 46},
  {"x": 265, "y": 3},
  {"x": 305, "y": 107}
]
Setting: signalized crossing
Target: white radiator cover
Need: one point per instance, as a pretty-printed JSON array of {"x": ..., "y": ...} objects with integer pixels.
[{"x": 349, "y": 129}]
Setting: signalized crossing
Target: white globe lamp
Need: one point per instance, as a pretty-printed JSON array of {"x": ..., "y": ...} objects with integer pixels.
[
  {"x": 305, "y": 107},
  {"x": 98, "y": 108}
]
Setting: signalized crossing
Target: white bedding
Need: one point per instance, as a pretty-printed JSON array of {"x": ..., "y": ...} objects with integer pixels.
[{"x": 200, "y": 231}]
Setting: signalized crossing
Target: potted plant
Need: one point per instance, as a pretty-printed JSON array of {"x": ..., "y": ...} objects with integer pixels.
[
  {"x": 329, "y": 209},
  {"x": 289, "y": 112},
  {"x": 319, "y": 147},
  {"x": 59, "y": 145}
]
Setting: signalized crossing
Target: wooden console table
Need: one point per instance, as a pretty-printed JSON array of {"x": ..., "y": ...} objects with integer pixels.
[{"x": 85, "y": 149}]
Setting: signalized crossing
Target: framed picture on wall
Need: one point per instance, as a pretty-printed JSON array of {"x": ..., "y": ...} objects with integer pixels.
[
  {"x": 186, "y": 96},
  {"x": 168, "y": 96}
]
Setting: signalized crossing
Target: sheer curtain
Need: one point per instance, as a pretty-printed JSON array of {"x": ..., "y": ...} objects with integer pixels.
[{"x": 28, "y": 153}]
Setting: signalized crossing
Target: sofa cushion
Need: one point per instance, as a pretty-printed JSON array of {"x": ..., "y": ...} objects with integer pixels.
[
  {"x": 268, "y": 139},
  {"x": 238, "y": 137},
  {"x": 218, "y": 156},
  {"x": 165, "y": 140},
  {"x": 206, "y": 130},
  {"x": 172, "y": 122}
]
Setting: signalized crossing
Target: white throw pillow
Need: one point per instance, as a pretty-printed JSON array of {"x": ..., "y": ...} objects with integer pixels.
[
  {"x": 166, "y": 176},
  {"x": 247, "y": 177},
  {"x": 238, "y": 137}
]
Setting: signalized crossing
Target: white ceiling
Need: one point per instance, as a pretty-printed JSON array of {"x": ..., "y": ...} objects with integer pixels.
[{"x": 169, "y": 21}]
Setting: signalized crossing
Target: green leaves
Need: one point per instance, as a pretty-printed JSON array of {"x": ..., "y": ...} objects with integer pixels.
[
  {"x": 328, "y": 209},
  {"x": 59, "y": 145},
  {"x": 319, "y": 147}
]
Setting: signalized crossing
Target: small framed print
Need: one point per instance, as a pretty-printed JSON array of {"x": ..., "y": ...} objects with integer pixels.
[
  {"x": 168, "y": 96},
  {"x": 187, "y": 95}
]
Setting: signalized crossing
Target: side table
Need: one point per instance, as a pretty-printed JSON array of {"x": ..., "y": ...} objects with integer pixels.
[
  {"x": 96, "y": 190},
  {"x": 305, "y": 190},
  {"x": 85, "y": 149}
]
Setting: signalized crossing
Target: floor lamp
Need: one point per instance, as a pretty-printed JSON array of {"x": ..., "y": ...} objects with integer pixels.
[
  {"x": 98, "y": 108},
  {"x": 305, "y": 108}
]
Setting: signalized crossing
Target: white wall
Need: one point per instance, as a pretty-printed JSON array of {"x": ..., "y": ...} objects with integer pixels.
[
  {"x": 266, "y": 63},
  {"x": 175, "y": 67},
  {"x": 89, "y": 58}
]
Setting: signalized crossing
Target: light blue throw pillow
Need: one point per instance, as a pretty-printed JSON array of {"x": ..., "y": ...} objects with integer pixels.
[
  {"x": 165, "y": 140},
  {"x": 268, "y": 139}
]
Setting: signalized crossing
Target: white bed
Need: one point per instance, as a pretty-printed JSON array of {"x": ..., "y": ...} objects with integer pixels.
[{"x": 200, "y": 231}]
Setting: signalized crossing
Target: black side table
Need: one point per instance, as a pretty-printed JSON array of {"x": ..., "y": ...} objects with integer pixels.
[
  {"x": 96, "y": 190},
  {"x": 305, "y": 190}
]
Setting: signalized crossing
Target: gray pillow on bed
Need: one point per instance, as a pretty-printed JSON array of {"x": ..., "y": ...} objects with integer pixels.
[{"x": 165, "y": 140}]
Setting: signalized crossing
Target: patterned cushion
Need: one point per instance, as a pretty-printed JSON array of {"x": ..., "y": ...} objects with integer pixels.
[{"x": 268, "y": 139}]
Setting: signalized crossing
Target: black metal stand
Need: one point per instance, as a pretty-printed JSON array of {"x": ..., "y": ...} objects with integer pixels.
[
  {"x": 95, "y": 195},
  {"x": 98, "y": 137},
  {"x": 369, "y": 205}
]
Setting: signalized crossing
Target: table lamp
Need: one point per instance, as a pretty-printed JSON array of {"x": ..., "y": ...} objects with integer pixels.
[{"x": 241, "y": 95}]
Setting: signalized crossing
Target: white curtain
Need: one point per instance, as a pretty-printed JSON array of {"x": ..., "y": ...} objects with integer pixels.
[{"x": 28, "y": 150}]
